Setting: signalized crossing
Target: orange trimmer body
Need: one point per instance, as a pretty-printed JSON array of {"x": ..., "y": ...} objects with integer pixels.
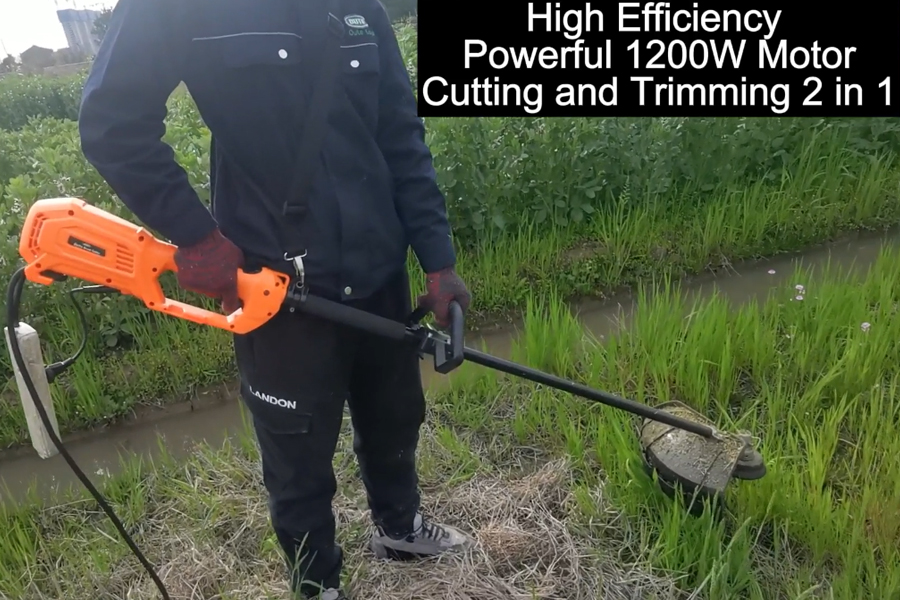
[{"x": 69, "y": 237}]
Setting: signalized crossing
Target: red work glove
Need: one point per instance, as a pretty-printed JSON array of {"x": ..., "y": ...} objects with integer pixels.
[
  {"x": 210, "y": 268},
  {"x": 443, "y": 288}
]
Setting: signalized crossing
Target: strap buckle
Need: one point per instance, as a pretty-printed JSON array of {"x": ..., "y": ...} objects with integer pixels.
[{"x": 298, "y": 266}]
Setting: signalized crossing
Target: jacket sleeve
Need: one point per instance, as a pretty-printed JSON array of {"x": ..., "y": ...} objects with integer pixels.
[
  {"x": 401, "y": 137},
  {"x": 121, "y": 122}
]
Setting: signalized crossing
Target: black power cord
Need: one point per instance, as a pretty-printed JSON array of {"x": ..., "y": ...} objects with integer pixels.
[
  {"x": 13, "y": 302},
  {"x": 56, "y": 369}
]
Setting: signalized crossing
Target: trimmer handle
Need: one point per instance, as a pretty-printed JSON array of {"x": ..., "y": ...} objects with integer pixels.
[
  {"x": 444, "y": 363},
  {"x": 260, "y": 294},
  {"x": 456, "y": 315},
  {"x": 449, "y": 351}
]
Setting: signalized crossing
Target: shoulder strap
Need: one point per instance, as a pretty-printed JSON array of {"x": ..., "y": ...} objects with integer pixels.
[
  {"x": 315, "y": 119},
  {"x": 313, "y": 124}
]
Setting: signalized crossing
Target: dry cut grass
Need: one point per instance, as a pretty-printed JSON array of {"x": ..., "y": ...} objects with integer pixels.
[{"x": 205, "y": 526}]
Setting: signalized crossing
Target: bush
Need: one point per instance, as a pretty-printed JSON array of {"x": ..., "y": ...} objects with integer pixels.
[{"x": 27, "y": 97}]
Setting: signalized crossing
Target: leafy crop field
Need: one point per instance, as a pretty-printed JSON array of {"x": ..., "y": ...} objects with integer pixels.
[
  {"x": 580, "y": 206},
  {"x": 551, "y": 486}
]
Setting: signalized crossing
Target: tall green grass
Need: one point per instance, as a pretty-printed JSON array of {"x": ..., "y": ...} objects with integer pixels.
[{"x": 812, "y": 372}]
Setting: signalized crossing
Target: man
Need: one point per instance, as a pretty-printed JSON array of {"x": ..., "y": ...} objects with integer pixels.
[{"x": 251, "y": 67}]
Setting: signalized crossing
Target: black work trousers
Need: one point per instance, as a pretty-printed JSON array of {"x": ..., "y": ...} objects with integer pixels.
[{"x": 296, "y": 372}]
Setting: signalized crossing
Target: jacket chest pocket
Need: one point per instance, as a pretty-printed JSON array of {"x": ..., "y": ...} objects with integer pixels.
[
  {"x": 247, "y": 50},
  {"x": 360, "y": 59},
  {"x": 361, "y": 70}
]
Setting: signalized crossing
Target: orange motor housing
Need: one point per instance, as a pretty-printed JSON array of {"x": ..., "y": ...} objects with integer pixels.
[{"x": 70, "y": 237}]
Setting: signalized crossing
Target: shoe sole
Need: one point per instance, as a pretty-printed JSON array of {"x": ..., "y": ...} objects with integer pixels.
[{"x": 384, "y": 552}]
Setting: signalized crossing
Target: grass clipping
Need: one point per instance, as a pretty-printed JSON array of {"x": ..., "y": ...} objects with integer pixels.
[{"x": 214, "y": 542}]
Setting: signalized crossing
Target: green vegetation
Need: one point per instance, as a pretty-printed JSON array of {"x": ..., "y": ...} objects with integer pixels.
[
  {"x": 25, "y": 98},
  {"x": 580, "y": 206},
  {"x": 551, "y": 485}
]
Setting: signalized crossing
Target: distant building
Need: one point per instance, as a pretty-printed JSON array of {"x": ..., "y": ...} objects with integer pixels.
[
  {"x": 36, "y": 59},
  {"x": 79, "y": 26}
]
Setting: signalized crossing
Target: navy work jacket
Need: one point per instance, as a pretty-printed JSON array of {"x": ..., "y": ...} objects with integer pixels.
[{"x": 374, "y": 195}]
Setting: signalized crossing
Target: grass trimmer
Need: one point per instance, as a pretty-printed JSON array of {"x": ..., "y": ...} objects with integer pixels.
[{"x": 68, "y": 238}]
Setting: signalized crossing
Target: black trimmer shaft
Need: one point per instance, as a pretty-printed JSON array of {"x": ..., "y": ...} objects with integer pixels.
[
  {"x": 450, "y": 353},
  {"x": 636, "y": 408}
]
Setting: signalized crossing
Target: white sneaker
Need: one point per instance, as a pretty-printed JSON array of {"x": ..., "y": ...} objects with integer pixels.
[{"x": 427, "y": 539}]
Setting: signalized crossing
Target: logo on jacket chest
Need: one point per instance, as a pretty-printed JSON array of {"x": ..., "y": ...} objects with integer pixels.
[{"x": 358, "y": 25}]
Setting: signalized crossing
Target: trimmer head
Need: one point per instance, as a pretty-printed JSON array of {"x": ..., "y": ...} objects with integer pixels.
[{"x": 692, "y": 464}]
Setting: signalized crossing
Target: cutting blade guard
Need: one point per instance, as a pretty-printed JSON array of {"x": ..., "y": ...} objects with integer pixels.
[{"x": 696, "y": 466}]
